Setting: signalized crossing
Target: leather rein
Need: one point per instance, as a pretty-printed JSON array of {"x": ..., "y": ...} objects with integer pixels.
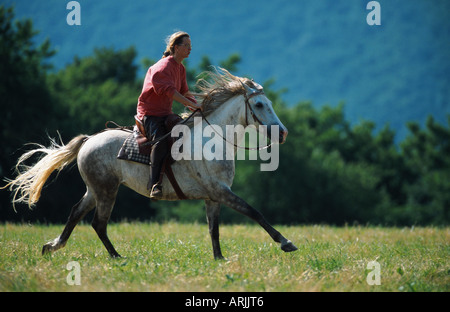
[{"x": 247, "y": 108}]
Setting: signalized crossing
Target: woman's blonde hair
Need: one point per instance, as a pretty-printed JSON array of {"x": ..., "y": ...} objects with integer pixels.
[{"x": 172, "y": 41}]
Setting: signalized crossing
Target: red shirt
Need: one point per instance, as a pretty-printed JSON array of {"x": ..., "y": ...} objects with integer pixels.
[{"x": 161, "y": 81}]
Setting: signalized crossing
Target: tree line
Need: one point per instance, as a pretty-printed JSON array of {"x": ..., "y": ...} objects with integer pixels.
[{"x": 330, "y": 170}]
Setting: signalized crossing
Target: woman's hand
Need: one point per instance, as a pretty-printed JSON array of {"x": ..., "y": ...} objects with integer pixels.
[
  {"x": 185, "y": 101},
  {"x": 195, "y": 106}
]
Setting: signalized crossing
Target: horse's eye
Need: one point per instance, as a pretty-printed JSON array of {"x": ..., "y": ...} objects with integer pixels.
[{"x": 259, "y": 105}]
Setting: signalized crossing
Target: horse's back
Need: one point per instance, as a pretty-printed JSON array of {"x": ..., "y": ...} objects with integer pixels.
[
  {"x": 102, "y": 147},
  {"x": 97, "y": 159}
]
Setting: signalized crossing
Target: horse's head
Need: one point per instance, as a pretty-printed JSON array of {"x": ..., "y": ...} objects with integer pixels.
[
  {"x": 259, "y": 110},
  {"x": 219, "y": 86}
]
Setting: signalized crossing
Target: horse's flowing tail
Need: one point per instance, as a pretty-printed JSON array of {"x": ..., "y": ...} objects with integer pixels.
[{"x": 28, "y": 184}]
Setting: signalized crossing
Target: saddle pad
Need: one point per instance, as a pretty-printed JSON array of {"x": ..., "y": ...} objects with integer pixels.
[{"x": 130, "y": 150}]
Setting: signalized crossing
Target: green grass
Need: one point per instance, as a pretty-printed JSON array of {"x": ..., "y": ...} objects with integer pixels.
[{"x": 178, "y": 257}]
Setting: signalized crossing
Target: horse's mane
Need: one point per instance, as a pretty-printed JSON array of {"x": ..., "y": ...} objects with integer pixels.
[{"x": 218, "y": 86}]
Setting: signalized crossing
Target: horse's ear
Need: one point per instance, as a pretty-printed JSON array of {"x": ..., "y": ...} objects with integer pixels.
[
  {"x": 247, "y": 88},
  {"x": 257, "y": 86}
]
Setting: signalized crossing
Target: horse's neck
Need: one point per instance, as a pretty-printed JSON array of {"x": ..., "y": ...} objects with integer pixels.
[{"x": 229, "y": 113}]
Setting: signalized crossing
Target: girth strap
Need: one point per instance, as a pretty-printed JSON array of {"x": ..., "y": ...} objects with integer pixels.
[{"x": 167, "y": 169}]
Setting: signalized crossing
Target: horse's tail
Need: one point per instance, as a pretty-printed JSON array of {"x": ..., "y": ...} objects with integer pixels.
[{"x": 28, "y": 184}]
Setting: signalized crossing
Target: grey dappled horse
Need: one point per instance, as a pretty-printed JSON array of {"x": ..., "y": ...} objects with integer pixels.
[{"x": 226, "y": 100}]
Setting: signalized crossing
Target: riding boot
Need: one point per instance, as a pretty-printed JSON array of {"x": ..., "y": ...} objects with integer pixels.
[
  {"x": 157, "y": 157},
  {"x": 156, "y": 187}
]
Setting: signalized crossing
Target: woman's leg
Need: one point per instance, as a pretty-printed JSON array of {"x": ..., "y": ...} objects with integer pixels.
[{"x": 154, "y": 126}]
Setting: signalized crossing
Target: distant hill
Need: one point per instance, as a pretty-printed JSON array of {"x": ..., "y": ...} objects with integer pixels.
[{"x": 320, "y": 50}]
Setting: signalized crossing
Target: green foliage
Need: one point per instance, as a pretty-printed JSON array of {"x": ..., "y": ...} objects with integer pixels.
[
  {"x": 25, "y": 101},
  {"x": 23, "y": 93},
  {"x": 426, "y": 155},
  {"x": 95, "y": 89}
]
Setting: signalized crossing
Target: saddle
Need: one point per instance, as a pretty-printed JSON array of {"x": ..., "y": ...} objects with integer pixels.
[{"x": 145, "y": 148}]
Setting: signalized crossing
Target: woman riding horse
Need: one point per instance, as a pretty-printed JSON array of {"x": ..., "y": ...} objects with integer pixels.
[
  {"x": 227, "y": 100},
  {"x": 164, "y": 82}
]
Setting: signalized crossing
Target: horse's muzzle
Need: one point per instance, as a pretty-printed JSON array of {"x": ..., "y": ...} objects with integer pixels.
[
  {"x": 278, "y": 137},
  {"x": 283, "y": 135}
]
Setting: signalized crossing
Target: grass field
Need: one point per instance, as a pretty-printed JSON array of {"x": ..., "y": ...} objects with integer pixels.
[{"x": 178, "y": 257}]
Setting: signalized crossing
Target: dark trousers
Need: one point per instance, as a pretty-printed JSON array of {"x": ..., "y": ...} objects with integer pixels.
[{"x": 155, "y": 128}]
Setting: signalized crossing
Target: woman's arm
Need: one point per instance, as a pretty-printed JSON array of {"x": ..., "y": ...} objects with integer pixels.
[{"x": 177, "y": 96}]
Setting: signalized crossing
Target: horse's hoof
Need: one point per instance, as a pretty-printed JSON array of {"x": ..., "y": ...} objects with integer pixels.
[
  {"x": 287, "y": 246},
  {"x": 220, "y": 258},
  {"x": 52, "y": 246},
  {"x": 46, "y": 249},
  {"x": 115, "y": 256}
]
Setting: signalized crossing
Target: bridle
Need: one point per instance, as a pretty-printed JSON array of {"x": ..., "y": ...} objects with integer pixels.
[{"x": 248, "y": 107}]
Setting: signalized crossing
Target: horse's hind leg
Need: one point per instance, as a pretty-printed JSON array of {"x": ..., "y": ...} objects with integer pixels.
[
  {"x": 100, "y": 222},
  {"x": 86, "y": 204}
]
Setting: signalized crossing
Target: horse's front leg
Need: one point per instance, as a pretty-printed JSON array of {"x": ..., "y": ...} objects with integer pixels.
[
  {"x": 212, "y": 214},
  {"x": 228, "y": 198}
]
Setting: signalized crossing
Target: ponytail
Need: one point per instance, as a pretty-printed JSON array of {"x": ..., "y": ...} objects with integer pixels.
[{"x": 166, "y": 54}]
